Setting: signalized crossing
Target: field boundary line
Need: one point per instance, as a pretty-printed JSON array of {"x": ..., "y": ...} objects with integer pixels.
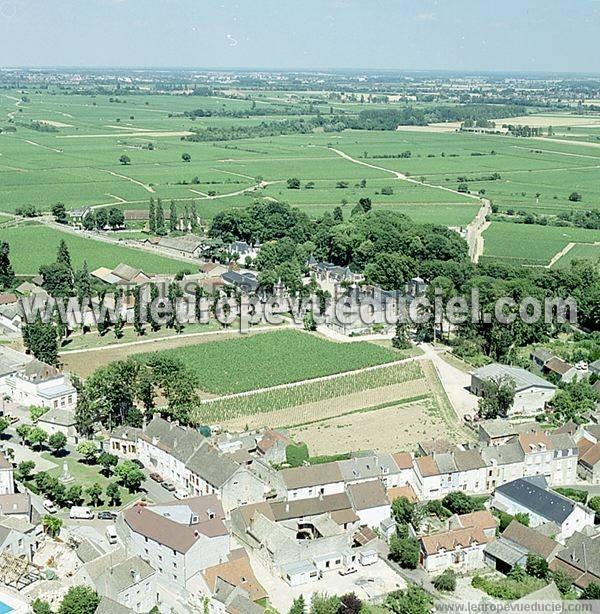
[
  {"x": 565, "y": 250},
  {"x": 146, "y": 187}
]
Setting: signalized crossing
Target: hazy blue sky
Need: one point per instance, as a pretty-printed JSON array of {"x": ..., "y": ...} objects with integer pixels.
[{"x": 530, "y": 35}]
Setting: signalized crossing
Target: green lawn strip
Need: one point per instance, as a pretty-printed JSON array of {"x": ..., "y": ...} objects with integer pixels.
[{"x": 86, "y": 475}]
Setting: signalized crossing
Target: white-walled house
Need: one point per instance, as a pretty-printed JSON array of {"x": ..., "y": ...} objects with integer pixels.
[
  {"x": 177, "y": 539},
  {"x": 37, "y": 383},
  {"x": 312, "y": 481},
  {"x": 392, "y": 469},
  {"x": 370, "y": 502},
  {"x": 57, "y": 420},
  {"x": 532, "y": 496},
  {"x": 7, "y": 483},
  {"x": 531, "y": 391},
  {"x": 438, "y": 474}
]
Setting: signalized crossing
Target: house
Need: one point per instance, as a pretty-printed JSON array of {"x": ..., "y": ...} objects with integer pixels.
[
  {"x": 532, "y": 496},
  {"x": 37, "y": 383},
  {"x": 540, "y": 356},
  {"x": 505, "y": 463},
  {"x": 267, "y": 444},
  {"x": 18, "y": 505},
  {"x": 242, "y": 251},
  {"x": 108, "y": 606},
  {"x": 383, "y": 467},
  {"x": 187, "y": 245},
  {"x": 78, "y": 215},
  {"x": 19, "y": 537},
  {"x": 299, "y": 550},
  {"x": 183, "y": 456},
  {"x": 131, "y": 583},
  {"x": 330, "y": 276},
  {"x": 246, "y": 282},
  {"x": 564, "y": 371},
  {"x": 121, "y": 275},
  {"x": 338, "y": 507},
  {"x": 439, "y": 474},
  {"x": 123, "y": 442},
  {"x": 594, "y": 367},
  {"x": 588, "y": 466},
  {"x": 370, "y": 502},
  {"x": 515, "y": 544},
  {"x": 11, "y": 361},
  {"x": 458, "y": 549},
  {"x": 178, "y": 539},
  {"x": 580, "y": 560},
  {"x": 531, "y": 391},
  {"x": 499, "y": 430},
  {"x": 59, "y": 420},
  {"x": 312, "y": 481},
  {"x": 7, "y": 483},
  {"x": 236, "y": 574},
  {"x": 397, "y": 492}
]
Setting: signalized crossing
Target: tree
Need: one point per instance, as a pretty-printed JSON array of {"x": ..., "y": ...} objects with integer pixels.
[
  {"x": 41, "y": 340},
  {"x": 88, "y": 449},
  {"x": 79, "y": 600},
  {"x": 460, "y": 503},
  {"x": 130, "y": 475},
  {"x": 402, "y": 510},
  {"x": 173, "y": 217},
  {"x": 60, "y": 213},
  {"x": 351, "y": 604},
  {"x": 323, "y": 604},
  {"x": 338, "y": 215},
  {"x": 4, "y": 424},
  {"x": 52, "y": 525},
  {"x": 23, "y": 431},
  {"x": 293, "y": 183},
  {"x": 40, "y": 606},
  {"x": 309, "y": 322},
  {"x": 125, "y": 160},
  {"x": 413, "y": 600},
  {"x": 594, "y": 504},
  {"x": 575, "y": 197},
  {"x": 186, "y": 157},
  {"x": 36, "y": 412},
  {"x": 116, "y": 218},
  {"x": 57, "y": 442},
  {"x": 446, "y": 581},
  {"x": 36, "y": 437},
  {"x": 25, "y": 469},
  {"x": 405, "y": 551},
  {"x": 498, "y": 397},
  {"x": 74, "y": 494},
  {"x": 563, "y": 581},
  {"x": 83, "y": 282},
  {"x": 108, "y": 462},
  {"x": 401, "y": 338},
  {"x": 152, "y": 216},
  {"x": 160, "y": 219},
  {"x": 7, "y": 275},
  {"x": 537, "y": 566},
  {"x": 94, "y": 492},
  {"x": 591, "y": 591},
  {"x": 113, "y": 494},
  {"x": 118, "y": 327},
  {"x": 298, "y": 606},
  {"x": 390, "y": 270}
]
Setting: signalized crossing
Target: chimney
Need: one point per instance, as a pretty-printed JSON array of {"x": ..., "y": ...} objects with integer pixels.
[{"x": 287, "y": 506}]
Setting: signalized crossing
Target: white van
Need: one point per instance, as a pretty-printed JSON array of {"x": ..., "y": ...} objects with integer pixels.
[
  {"x": 81, "y": 513},
  {"x": 111, "y": 534}
]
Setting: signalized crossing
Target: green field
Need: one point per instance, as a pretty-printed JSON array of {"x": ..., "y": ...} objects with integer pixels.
[
  {"x": 532, "y": 244},
  {"x": 32, "y": 245},
  {"x": 579, "y": 252},
  {"x": 270, "y": 359}
]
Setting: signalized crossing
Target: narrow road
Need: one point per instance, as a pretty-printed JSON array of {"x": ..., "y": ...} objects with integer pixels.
[
  {"x": 475, "y": 228},
  {"x": 146, "y": 187},
  {"x": 565, "y": 250}
]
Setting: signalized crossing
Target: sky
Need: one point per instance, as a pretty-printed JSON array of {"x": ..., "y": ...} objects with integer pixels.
[{"x": 455, "y": 35}]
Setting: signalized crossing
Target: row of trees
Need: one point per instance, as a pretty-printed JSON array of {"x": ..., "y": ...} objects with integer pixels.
[{"x": 156, "y": 218}]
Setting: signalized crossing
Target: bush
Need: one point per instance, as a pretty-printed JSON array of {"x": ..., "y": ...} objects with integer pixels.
[
  {"x": 594, "y": 504},
  {"x": 405, "y": 551},
  {"x": 459, "y": 503},
  {"x": 575, "y": 494},
  {"x": 446, "y": 581},
  {"x": 509, "y": 588},
  {"x": 296, "y": 454}
]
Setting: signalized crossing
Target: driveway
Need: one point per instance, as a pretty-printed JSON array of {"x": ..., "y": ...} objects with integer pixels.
[{"x": 455, "y": 382}]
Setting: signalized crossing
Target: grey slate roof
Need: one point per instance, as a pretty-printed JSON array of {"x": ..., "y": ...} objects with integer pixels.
[
  {"x": 533, "y": 494},
  {"x": 582, "y": 552},
  {"x": 505, "y": 551},
  {"x": 12, "y": 361},
  {"x": 56, "y": 415},
  {"x": 108, "y": 606},
  {"x": 364, "y": 467},
  {"x": 500, "y": 427},
  {"x": 507, "y": 454},
  {"x": 120, "y": 577},
  {"x": 213, "y": 467},
  {"x": 522, "y": 379}
]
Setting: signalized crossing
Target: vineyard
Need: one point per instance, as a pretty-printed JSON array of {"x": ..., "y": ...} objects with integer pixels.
[{"x": 246, "y": 404}]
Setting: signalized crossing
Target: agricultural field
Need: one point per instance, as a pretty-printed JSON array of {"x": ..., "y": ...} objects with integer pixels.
[
  {"x": 306, "y": 401},
  {"x": 534, "y": 244},
  {"x": 579, "y": 252},
  {"x": 32, "y": 245},
  {"x": 270, "y": 359}
]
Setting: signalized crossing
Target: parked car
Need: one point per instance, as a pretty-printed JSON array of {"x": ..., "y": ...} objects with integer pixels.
[
  {"x": 346, "y": 571},
  {"x": 156, "y": 477},
  {"x": 106, "y": 515},
  {"x": 50, "y": 507},
  {"x": 181, "y": 493},
  {"x": 168, "y": 486},
  {"x": 137, "y": 463},
  {"x": 111, "y": 533}
]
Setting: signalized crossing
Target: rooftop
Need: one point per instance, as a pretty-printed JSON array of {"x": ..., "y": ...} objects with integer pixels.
[
  {"x": 312, "y": 475},
  {"x": 523, "y": 379}
]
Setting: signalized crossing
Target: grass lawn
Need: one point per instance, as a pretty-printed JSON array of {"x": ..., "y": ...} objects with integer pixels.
[
  {"x": 85, "y": 476},
  {"x": 269, "y": 359},
  {"x": 32, "y": 245}
]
